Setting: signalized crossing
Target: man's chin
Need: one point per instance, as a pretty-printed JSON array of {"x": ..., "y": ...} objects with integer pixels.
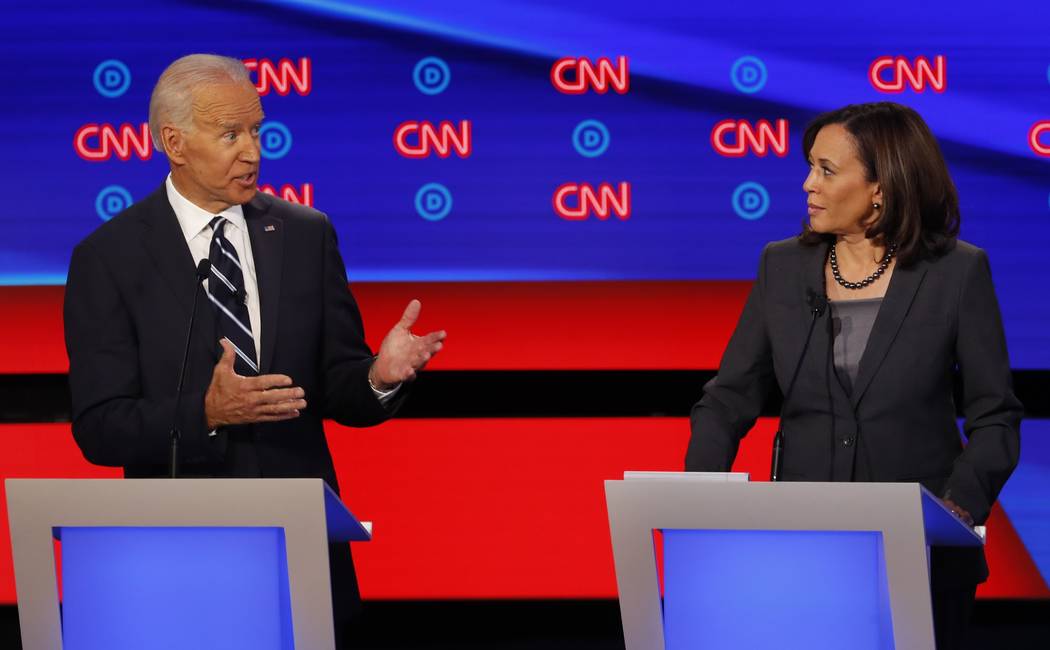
[{"x": 246, "y": 194}]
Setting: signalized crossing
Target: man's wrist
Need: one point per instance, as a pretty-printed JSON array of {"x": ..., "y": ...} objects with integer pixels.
[{"x": 375, "y": 383}]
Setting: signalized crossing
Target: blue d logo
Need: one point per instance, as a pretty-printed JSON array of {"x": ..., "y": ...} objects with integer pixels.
[
  {"x": 111, "y": 201},
  {"x": 590, "y": 138},
  {"x": 433, "y": 202},
  {"x": 750, "y": 201},
  {"x": 431, "y": 75},
  {"x": 111, "y": 78},
  {"x": 275, "y": 140},
  {"x": 748, "y": 74}
]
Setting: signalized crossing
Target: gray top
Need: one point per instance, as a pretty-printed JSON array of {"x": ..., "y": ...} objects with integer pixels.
[{"x": 852, "y": 321}]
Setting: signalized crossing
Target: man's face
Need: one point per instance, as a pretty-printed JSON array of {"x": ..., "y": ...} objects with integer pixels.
[{"x": 219, "y": 162}]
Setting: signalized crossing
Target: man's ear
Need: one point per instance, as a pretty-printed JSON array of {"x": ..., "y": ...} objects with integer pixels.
[{"x": 173, "y": 140}]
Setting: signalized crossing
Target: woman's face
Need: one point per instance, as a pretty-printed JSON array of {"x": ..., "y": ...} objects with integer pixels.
[{"x": 840, "y": 196}]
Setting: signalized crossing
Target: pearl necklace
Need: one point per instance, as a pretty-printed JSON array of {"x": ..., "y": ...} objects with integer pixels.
[{"x": 883, "y": 265}]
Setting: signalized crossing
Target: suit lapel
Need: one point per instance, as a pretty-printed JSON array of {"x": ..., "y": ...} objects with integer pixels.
[
  {"x": 823, "y": 336},
  {"x": 813, "y": 279},
  {"x": 267, "y": 237},
  {"x": 791, "y": 331},
  {"x": 899, "y": 296},
  {"x": 164, "y": 240}
]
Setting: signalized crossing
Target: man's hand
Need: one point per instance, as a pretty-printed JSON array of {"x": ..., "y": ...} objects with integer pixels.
[
  {"x": 959, "y": 512},
  {"x": 233, "y": 399},
  {"x": 402, "y": 354}
]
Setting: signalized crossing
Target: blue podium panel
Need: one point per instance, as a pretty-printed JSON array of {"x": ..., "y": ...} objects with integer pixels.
[
  {"x": 175, "y": 588},
  {"x": 808, "y": 590}
]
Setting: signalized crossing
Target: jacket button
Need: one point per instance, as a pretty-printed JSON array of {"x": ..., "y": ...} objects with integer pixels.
[{"x": 847, "y": 442}]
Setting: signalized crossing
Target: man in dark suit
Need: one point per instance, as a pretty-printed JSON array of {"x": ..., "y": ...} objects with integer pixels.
[{"x": 278, "y": 343}]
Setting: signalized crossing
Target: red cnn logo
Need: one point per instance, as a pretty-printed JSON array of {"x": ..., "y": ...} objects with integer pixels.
[
  {"x": 758, "y": 139},
  {"x": 304, "y": 196},
  {"x": 603, "y": 202},
  {"x": 282, "y": 76},
  {"x": 1037, "y": 130},
  {"x": 917, "y": 75},
  {"x": 442, "y": 139},
  {"x": 599, "y": 77},
  {"x": 98, "y": 142}
]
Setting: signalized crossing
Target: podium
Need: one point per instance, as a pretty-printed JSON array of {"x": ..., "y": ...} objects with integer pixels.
[
  {"x": 784, "y": 565},
  {"x": 187, "y": 563}
]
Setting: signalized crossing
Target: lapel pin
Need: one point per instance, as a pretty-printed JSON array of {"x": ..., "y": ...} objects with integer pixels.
[{"x": 270, "y": 228}]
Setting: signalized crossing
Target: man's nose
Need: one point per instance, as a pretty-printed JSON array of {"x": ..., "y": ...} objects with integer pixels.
[{"x": 251, "y": 152}]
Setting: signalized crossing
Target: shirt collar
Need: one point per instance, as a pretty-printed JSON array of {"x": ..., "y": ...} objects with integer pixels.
[{"x": 193, "y": 219}]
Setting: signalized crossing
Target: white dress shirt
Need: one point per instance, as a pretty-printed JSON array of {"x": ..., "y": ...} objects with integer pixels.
[{"x": 194, "y": 223}]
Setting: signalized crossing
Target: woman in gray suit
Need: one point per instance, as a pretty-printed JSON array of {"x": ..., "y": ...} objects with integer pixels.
[{"x": 864, "y": 321}]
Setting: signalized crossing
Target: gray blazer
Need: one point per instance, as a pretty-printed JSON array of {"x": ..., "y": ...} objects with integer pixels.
[{"x": 938, "y": 317}]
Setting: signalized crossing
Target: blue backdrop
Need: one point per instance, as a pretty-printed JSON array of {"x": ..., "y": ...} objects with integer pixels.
[{"x": 691, "y": 66}]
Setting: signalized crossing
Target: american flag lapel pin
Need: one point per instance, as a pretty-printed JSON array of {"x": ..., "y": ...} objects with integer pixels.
[{"x": 269, "y": 228}]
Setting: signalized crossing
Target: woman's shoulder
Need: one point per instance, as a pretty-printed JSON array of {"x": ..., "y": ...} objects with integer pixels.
[
  {"x": 965, "y": 250},
  {"x": 785, "y": 246},
  {"x": 790, "y": 250},
  {"x": 960, "y": 255}
]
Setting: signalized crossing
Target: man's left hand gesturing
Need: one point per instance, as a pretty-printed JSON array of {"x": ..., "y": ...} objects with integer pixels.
[{"x": 402, "y": 354}]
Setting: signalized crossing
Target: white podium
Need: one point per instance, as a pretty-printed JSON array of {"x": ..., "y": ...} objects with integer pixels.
[
  {"x": 784, "y": 565},
  {"x": 187, "y": 563}
]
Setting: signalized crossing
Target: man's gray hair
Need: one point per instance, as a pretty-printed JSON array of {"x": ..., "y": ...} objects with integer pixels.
[{"x": 172, "y": 98}]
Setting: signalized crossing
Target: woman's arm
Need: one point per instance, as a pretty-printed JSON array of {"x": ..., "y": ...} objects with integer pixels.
[
  {"x": 732, "y": 401},
  {"x": 992, "y": 412}
]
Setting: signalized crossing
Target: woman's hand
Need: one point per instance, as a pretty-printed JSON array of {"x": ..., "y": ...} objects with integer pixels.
[{"x": 959, "y": 512}]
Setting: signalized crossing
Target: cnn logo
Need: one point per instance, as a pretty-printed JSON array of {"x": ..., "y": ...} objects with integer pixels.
[
  {"x": 415, "y": 139},
  {"x": 1035, "y": 138},
  {"x": 578, "y": 201},
  {"x": 100, "y": 142},
  {"x": 281, "y": 77},
  {"x": 736, "y": 138},
  {"x": 304, "y": 195},
  {"x": 890, "y": 74},
  {"x": 575, "y": 76}
]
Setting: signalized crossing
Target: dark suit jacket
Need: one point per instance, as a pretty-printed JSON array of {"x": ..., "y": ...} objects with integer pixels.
[
  {"x": 938, "y": 318},
  {"x": 127, "y": 308}
]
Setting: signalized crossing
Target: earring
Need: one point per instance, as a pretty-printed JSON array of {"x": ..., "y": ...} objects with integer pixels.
[{"x": 876, "y": 205}]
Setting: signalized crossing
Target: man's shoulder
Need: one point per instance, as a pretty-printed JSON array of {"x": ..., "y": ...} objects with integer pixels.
[
  {"x": 128, "y": 222},
  {"x": 265, "y": 203}
]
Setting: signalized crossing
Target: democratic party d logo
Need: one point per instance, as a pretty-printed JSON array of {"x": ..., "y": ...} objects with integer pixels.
[
  {"x": 111, "y": 78},
  {"x": 431, "y": 75}
]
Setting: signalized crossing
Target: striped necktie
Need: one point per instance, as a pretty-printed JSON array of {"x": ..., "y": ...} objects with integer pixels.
[{"x": 226, "y": 293}]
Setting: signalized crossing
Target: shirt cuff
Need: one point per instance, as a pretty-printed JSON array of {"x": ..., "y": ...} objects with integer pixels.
[{"x": 384, "y": 396}]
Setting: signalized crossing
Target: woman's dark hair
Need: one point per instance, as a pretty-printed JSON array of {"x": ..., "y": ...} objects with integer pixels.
[{"x": 920, "y": 207}]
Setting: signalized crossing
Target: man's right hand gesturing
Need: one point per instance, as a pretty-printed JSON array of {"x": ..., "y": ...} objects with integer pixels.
[{"x": 234, "y": 399}]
